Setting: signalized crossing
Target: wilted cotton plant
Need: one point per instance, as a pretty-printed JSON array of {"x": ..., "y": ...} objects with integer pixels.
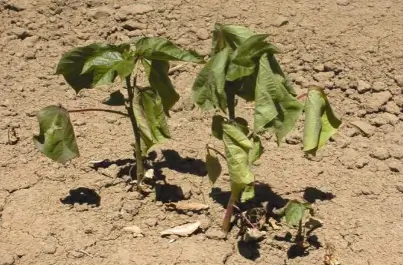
[
  {"x": 243, "y": 65},
  {"x": 147, "y": 108}
]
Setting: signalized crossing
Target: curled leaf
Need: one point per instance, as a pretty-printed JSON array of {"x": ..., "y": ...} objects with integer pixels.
[
  {"x": 56, "y": 138},
  {"x": 320, "y": 121},
  {"x": 182, "y": 230}
]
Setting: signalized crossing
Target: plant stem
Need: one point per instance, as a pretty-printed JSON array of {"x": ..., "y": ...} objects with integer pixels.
[
  {"x": 131, "y": 90},
  {"x": 228, "y": 213},
  {"x": 104, "y": 110},
  {"x": 230, "y": 102}
]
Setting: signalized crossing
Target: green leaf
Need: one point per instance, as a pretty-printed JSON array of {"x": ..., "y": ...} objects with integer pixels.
[
  {"x": 95, "y": 64},
  {"x": 320, "y": 121},
  {"x": 155, "y": 48},
  {"x": 237, "y": 148},
  {"x": 115, "y": 99},
  {"x": 157, "y": 72},
  {"x": 256, "y": 151},
  {"x": 247, "y": 87},
  {"x": 208, "y": 89},
  {"x": 149, "y": 113},
  {"x": 248, "y": 193},
  {"x": 294, "y": 212},
  {"x": 270, "y": 97},
  {"x": 216, "y": 126},
  {"x": 213, "y": 167},
  {"x": 276, "y": 68},
  {"x": 56, "y": 138},
  {"x": 229, "y": 36},
  {"x": 243, "y": 60}
]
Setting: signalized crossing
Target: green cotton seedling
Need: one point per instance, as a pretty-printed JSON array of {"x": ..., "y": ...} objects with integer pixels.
[
  {"x": 101, "y": 64},
  {"x": 243, "y": 66}
]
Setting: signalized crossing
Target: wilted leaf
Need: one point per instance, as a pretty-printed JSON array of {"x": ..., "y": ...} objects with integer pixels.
[
  {"x": 186, "y": 206},
  {"x": 256, "y": 151},
  {"x": 56, "y": 138},
  {"x": 273, "y": 224},
  {"x": 294, "y": 212},
  {"x": 208, "y": 89},
  {"x": 243, "y": 60},
  {"x": 95, "y": 64},
  {"x": 216, "y": 126},
  {"x": 182, "y": 230},
  {"x": 237, "y": 148},
  {"x": 150, "y": 119},
  {"x": 229, "y": 36},
  {"x": 213, "y": 167},
  {"x": 320, "y": 121},
  {"x": 253, "y": 234},
  {"x": 276, "y": 68},
  {"x": 115, "y": 99},
  {"x": 271, "y": 97},
  {"x": 155, "y": 48},
  {"x": 157, "y": 72}
]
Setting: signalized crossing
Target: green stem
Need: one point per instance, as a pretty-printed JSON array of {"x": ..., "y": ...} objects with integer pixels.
[
  {"x": 230, "y": 103},
  {"x": 103, "y": 110},
  {"x": 131, "y": 90}
]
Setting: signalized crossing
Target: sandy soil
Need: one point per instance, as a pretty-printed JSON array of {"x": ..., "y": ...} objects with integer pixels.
[{"x": 74, "y": 214}]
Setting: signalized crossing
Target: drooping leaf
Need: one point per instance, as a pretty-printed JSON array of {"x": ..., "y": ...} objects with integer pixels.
[
  {"x": 276, "y": 68},
  {"x": 243, "y": 59},
  {"x": 155, "y": 48},
  {"x": 182, "y": 230},
  {"x": 237, "y": 148},
  {"x": 150, "y": 118},
  {"x": 320, "y": 121},
  {"x": 248, "y": 193},
  {"x": 213, "y": 167},
  {"x": 216, "y": 126},
  {"x": 247, "y": 87},
  {"x": 208, "y": 89},
  {"x": 294, "y": 212},
  {"x": 56, "y": 138},
  {"x": 157, "y": 72},
  {"x": 229, "y": 36},
  {"x": 256, "y": 151},
  {"x": 115, "y": 99},
  {"x": 271, "y": 96},
  {"x": 95, "y": 64}
]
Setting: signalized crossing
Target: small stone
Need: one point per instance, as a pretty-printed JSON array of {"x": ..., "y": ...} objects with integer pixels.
[
  {"x": 308, "y": 58},
  {"x": 6, "y": 259},
  {"x": 319, "y": 67},
  {"x": 215, "y": 234},
  {"x": 293, "y": 139},
  {"x": 229, "y": 14},
  {"x": 392, "y": 107},
  {"x": 376, "y": 100},
  {"x": 132, "y": 229},
  {"x": 343, "y": 2},
  {"x": 395, "y": 165},
  {"x": 100, "y": 12},
  {"x": 20, "y": 32},
  {"x": 323, "y": 76},
  {"x": 186, "y": 191},
  {"x": 380, "y": 153},
  {"x": 364, "y": 127},
  {"x": 280, "y": 21},
  {"x": 361, "y": 162},
  {"x": 138, "y": 9},
  {"x": 378, "y": 86},
  {"x": 151, "y": 222},
  {"x": 132, "y": 25},
  {"x": 202, "y": 34},
  {"x": 30, "y": 55},
  {"x": 49, "y": 249},
  {"x": 399, "y": 80},
  {"x": 362, "y": 86}
]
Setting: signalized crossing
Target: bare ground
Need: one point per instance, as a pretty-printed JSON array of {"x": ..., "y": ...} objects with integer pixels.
[{"x": 352, "y": 47}]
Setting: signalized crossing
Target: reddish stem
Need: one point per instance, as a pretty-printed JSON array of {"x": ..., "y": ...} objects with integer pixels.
[
  {"x": 302, "y": 96},
  {"x": 228, "y": 213}
]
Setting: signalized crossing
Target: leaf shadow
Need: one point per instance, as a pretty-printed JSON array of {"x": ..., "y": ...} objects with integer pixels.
[
  {"x": 82, "y": 195},
  {"x": 249, "y": 250},
  {"x": 312, "y": 194}
]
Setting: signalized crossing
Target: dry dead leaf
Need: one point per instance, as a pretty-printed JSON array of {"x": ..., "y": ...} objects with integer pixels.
[
  {"x": 330, "y": 256},
  {"x": 273, "y": 224},
  {"x": 182, "y": 230},
  {"x": 133, "y": 229},
  {"x": 253, "y": 234},
  {"x": 186, "y": 206}
]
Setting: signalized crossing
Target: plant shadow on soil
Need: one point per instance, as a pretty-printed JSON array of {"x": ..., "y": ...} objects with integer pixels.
[
  {"x": 82, "y": 195},
  {"x": 172, "y": 160},
  {"x": 265, "y": 195}
]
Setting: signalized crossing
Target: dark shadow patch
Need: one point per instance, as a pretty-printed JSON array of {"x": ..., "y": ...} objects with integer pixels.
[
  {"x": 172, "y": 160},
  {"x": 82, "y": 195},
  {"x": 107, "y": 163},
  {"x": 297, "y": 250},
  {"x": 219, "y": 196},
  {"x": 312, "y": 194},
  {"x": 168, "y": 193},
  {"x": 249, "y": 250}
]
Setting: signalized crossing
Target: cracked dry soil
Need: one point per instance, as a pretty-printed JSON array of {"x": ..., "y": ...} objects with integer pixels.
[{"x": 74, "y": 214}]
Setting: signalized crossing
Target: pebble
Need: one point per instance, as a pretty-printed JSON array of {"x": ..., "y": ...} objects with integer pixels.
[
  {"x": 30, "y": 55},
  {"x": 202, "y": 34},
  {"x": 100, "y": 12},
  {"x": 280, "y": 21},
  {"x": 343, "y": 2},
  {"x": 365, "y": 127},
  {"x": 132, "y": 229},
  {"x": 362, "y": 86},
  {"x": 392, "y": 107},
  {"x": 21, "y": 33},
  {"x": 215, "y": 234},
  {"x": 323, "y": 76},
  {"x": 7, "y": 259},
  {"x": 151, "y": 222},
  {"x": 229, "y": 14},
  {"x": 308, "y": 58},
  {"x": 138, "y": 9},
  {"x": 395, "y": 165},
  {"x": 18, "y": 5},
  {"x": 49, "y": 249},
  {"x": 378, "y": 86},
  {"x": 186, "y": 190},
  {"x": 399, "y": 80},
  {"x": 376, "y": 100},
  {"x": 132, "y": 25},
  {"x": 380, "y": 153}
]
